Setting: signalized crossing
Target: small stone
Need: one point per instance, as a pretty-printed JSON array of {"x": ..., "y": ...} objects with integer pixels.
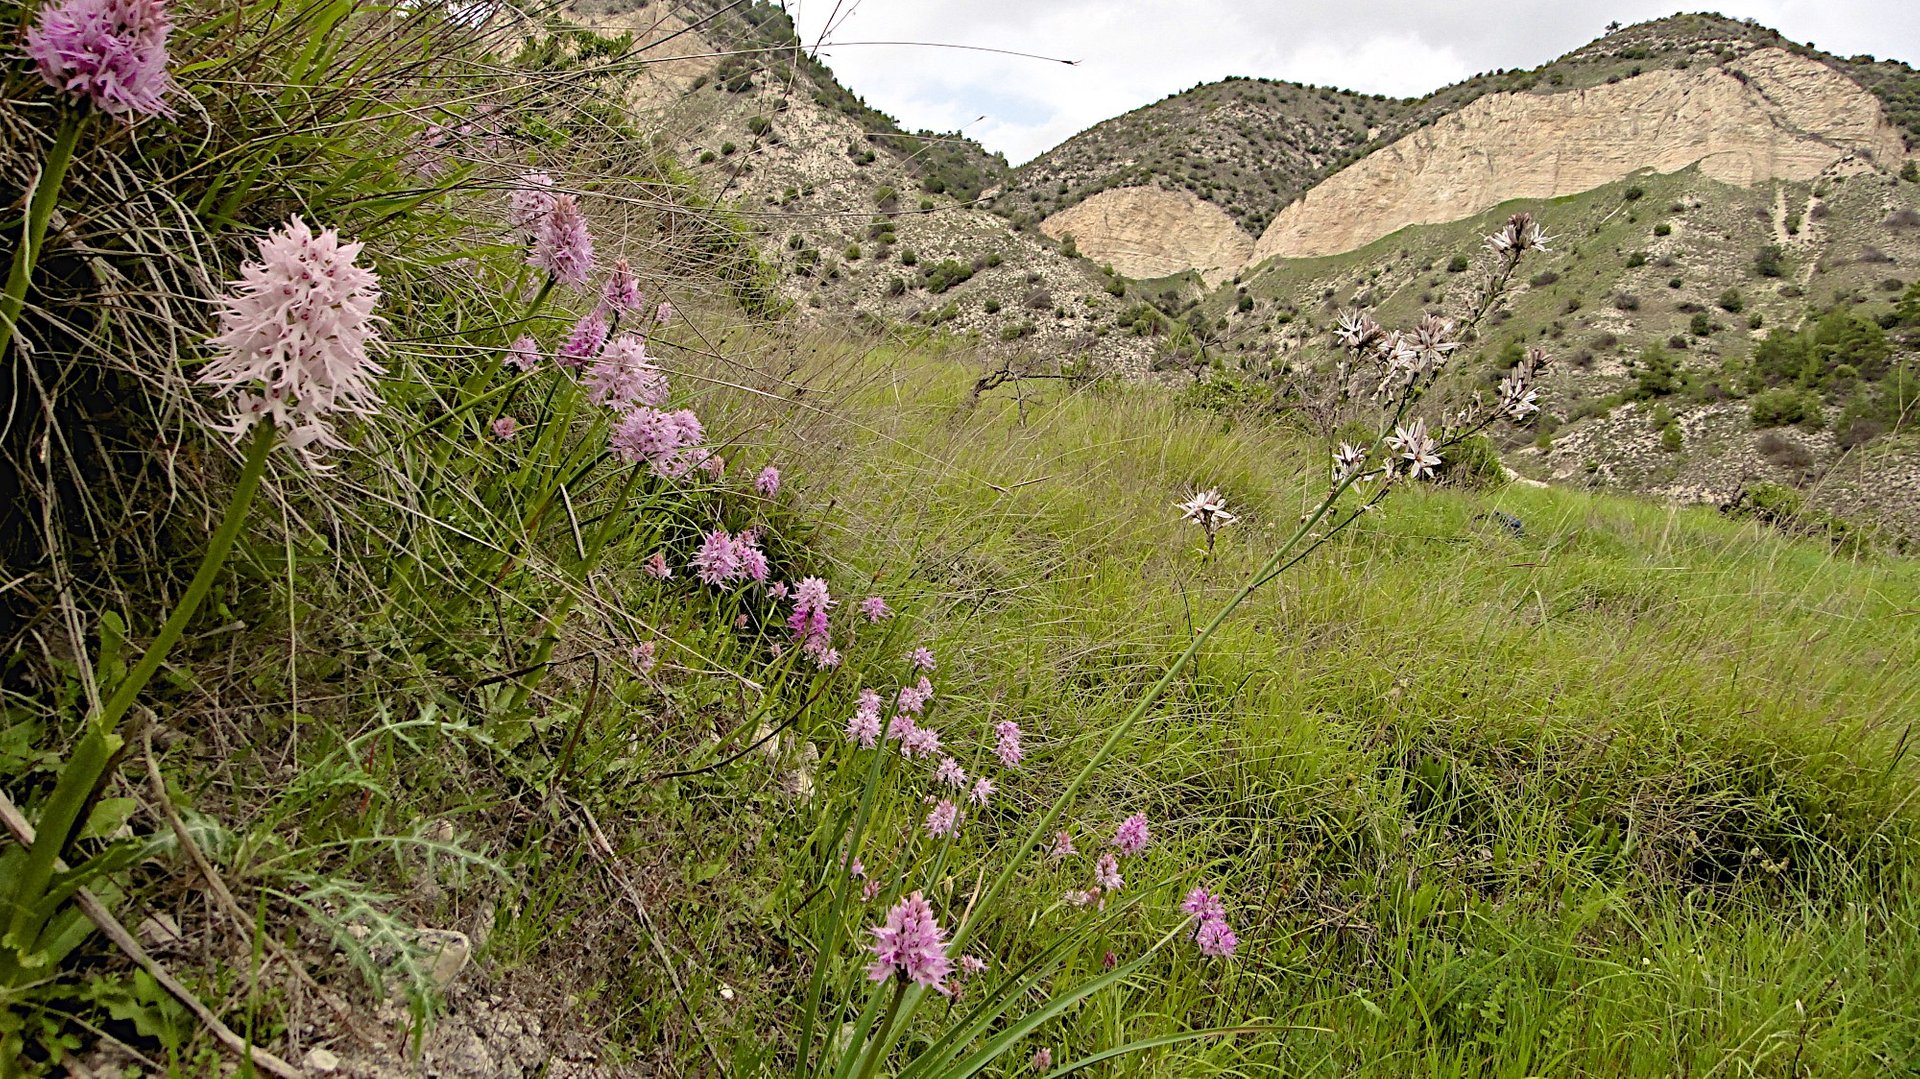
[
  {"x": 159, "y": 930},
  {"x": 321, "y": 1061},
  {"x": 450, "y": 949}
]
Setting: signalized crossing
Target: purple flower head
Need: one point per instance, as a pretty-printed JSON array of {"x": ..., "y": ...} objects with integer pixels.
[
  {"x": 943, "y": 819},
  {"x": 297, "y": 327},
  {"x": 910, "y": 945},
  {"x": 660, "y": 438},
  {"x": 982, "y": 790},
  {"x": 663, "y": 314},
  {"x": 778, "y": 590},
  {"x": 530, "y": 202},
  {"x": 1132, "y": 836},
  {"x": 914, "y": 698},
  {"x": 768, "y": 482},
  {"x": 899, "y": 727},
  {"x": 1216, "y": 938},
  {"x": 875, "y": 609},
  {"x": 562, "y": 246},
  {"x": 588, "y": 337},
  {"x": 622, "y": 294},
  {"x": 524, "y": 353},
  {"x": 718, "y": 560},
  {"x": 1006, "y": 742},
  {"x": 1203, "y": 905},
  {"x": 714, "y": 466},
  {"x": 656, "y": 566},
  {"x": 972, "y": 964},
  {"x": 811, "y": 595},
  {"x": 856, "y": 869},
  {"x": 864, "y": 726},
  {"x": 921, "y": 658},
  {"x": 112, "y": 53},
  {"x": 623, "y": 377},
  {"x": 1106, "y": 873},
  {"x": 869, "y": 890},
  {"x": 948, "y": 771},
  {"x": 1062, "y": 844},
  {"x": 1042, "y": 1059},
  {"x": 753, "y": 561},
  {"x": 505, "y": 427},
  {"x": 1078, "y": 898},
  {"x": 643, "y": 657},
  {"x": 920, "y": 741}
]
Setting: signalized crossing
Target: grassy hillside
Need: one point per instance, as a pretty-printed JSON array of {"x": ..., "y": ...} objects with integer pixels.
[
  {"x": 503, "y": 724},
  {"x": 1486, "y": 803}
]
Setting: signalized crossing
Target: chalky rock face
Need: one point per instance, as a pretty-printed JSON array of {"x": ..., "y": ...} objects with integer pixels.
[
  {"x": 1145, "y": 232},
  {"x": 1769, "y": 115}
]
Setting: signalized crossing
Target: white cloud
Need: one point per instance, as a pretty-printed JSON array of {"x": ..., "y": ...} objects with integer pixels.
[{"x": 1134, "y": 53}]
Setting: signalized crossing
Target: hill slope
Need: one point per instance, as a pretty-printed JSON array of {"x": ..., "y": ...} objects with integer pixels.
[{"x": 1252, "y": 147}]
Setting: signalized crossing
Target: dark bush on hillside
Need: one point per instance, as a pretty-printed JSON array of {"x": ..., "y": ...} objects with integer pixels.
[
  {"x": 1663, "y": 229},
  {"x": 1783, "y": 452},
  {"x": 944, "y": 275},
  {"x": 1636, "y": 260},
  {"x": 1543, "y": 279},
  {"x": 1457, "y": 264},
  {"x": 1732, "y": 302},
  {"x": 1769, "y": 261},
  {"x": 1626, "y": 301},
  {"x": 1902, "y": 218}
]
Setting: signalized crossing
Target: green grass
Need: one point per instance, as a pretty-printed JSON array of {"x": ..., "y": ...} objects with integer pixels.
[{"x": 1609, "y": 797}]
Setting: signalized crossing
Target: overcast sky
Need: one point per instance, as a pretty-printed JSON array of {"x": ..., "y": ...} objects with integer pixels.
[{"x": 1133, "y": 52}]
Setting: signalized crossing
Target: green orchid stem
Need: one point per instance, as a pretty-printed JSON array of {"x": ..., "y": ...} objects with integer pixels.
[
  {"x": 39, "y": 212},
  {"x": 88, "y": 762},
  {"x": 883, "y": 1034}
]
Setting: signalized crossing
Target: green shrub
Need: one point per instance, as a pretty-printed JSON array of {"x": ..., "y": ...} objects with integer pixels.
[
  {"x": 1473, "y": 463},
  {"x": 1770, "y": 261},
  {"x": 1663, "y": 229},
  {"x": 1732, "y": 302},
  {"x": 1457, "y": 264},
  {"x": 944, "y": 275},
  {"x": 1656, "y": 375},
  {"x": 1782, "y": 406}
]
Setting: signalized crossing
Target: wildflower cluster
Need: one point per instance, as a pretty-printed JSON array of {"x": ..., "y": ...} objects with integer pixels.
[
  {"x": 1402, "y": 365},
  {"x": 294, "y": 340},
  {"x": 1130, "y": 838},
  {"x": 810, "y": 624},
  {"x": 1212, "y": 933},
  {"x": 724, "y": 558},
  {"x": 111, "y": 54}
]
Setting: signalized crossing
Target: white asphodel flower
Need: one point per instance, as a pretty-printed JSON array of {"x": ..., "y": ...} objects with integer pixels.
[{"x": 1208, "y": 510}]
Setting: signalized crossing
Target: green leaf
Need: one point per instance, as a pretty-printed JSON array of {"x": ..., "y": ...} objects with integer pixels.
[{"x": 108, "y": 817}]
